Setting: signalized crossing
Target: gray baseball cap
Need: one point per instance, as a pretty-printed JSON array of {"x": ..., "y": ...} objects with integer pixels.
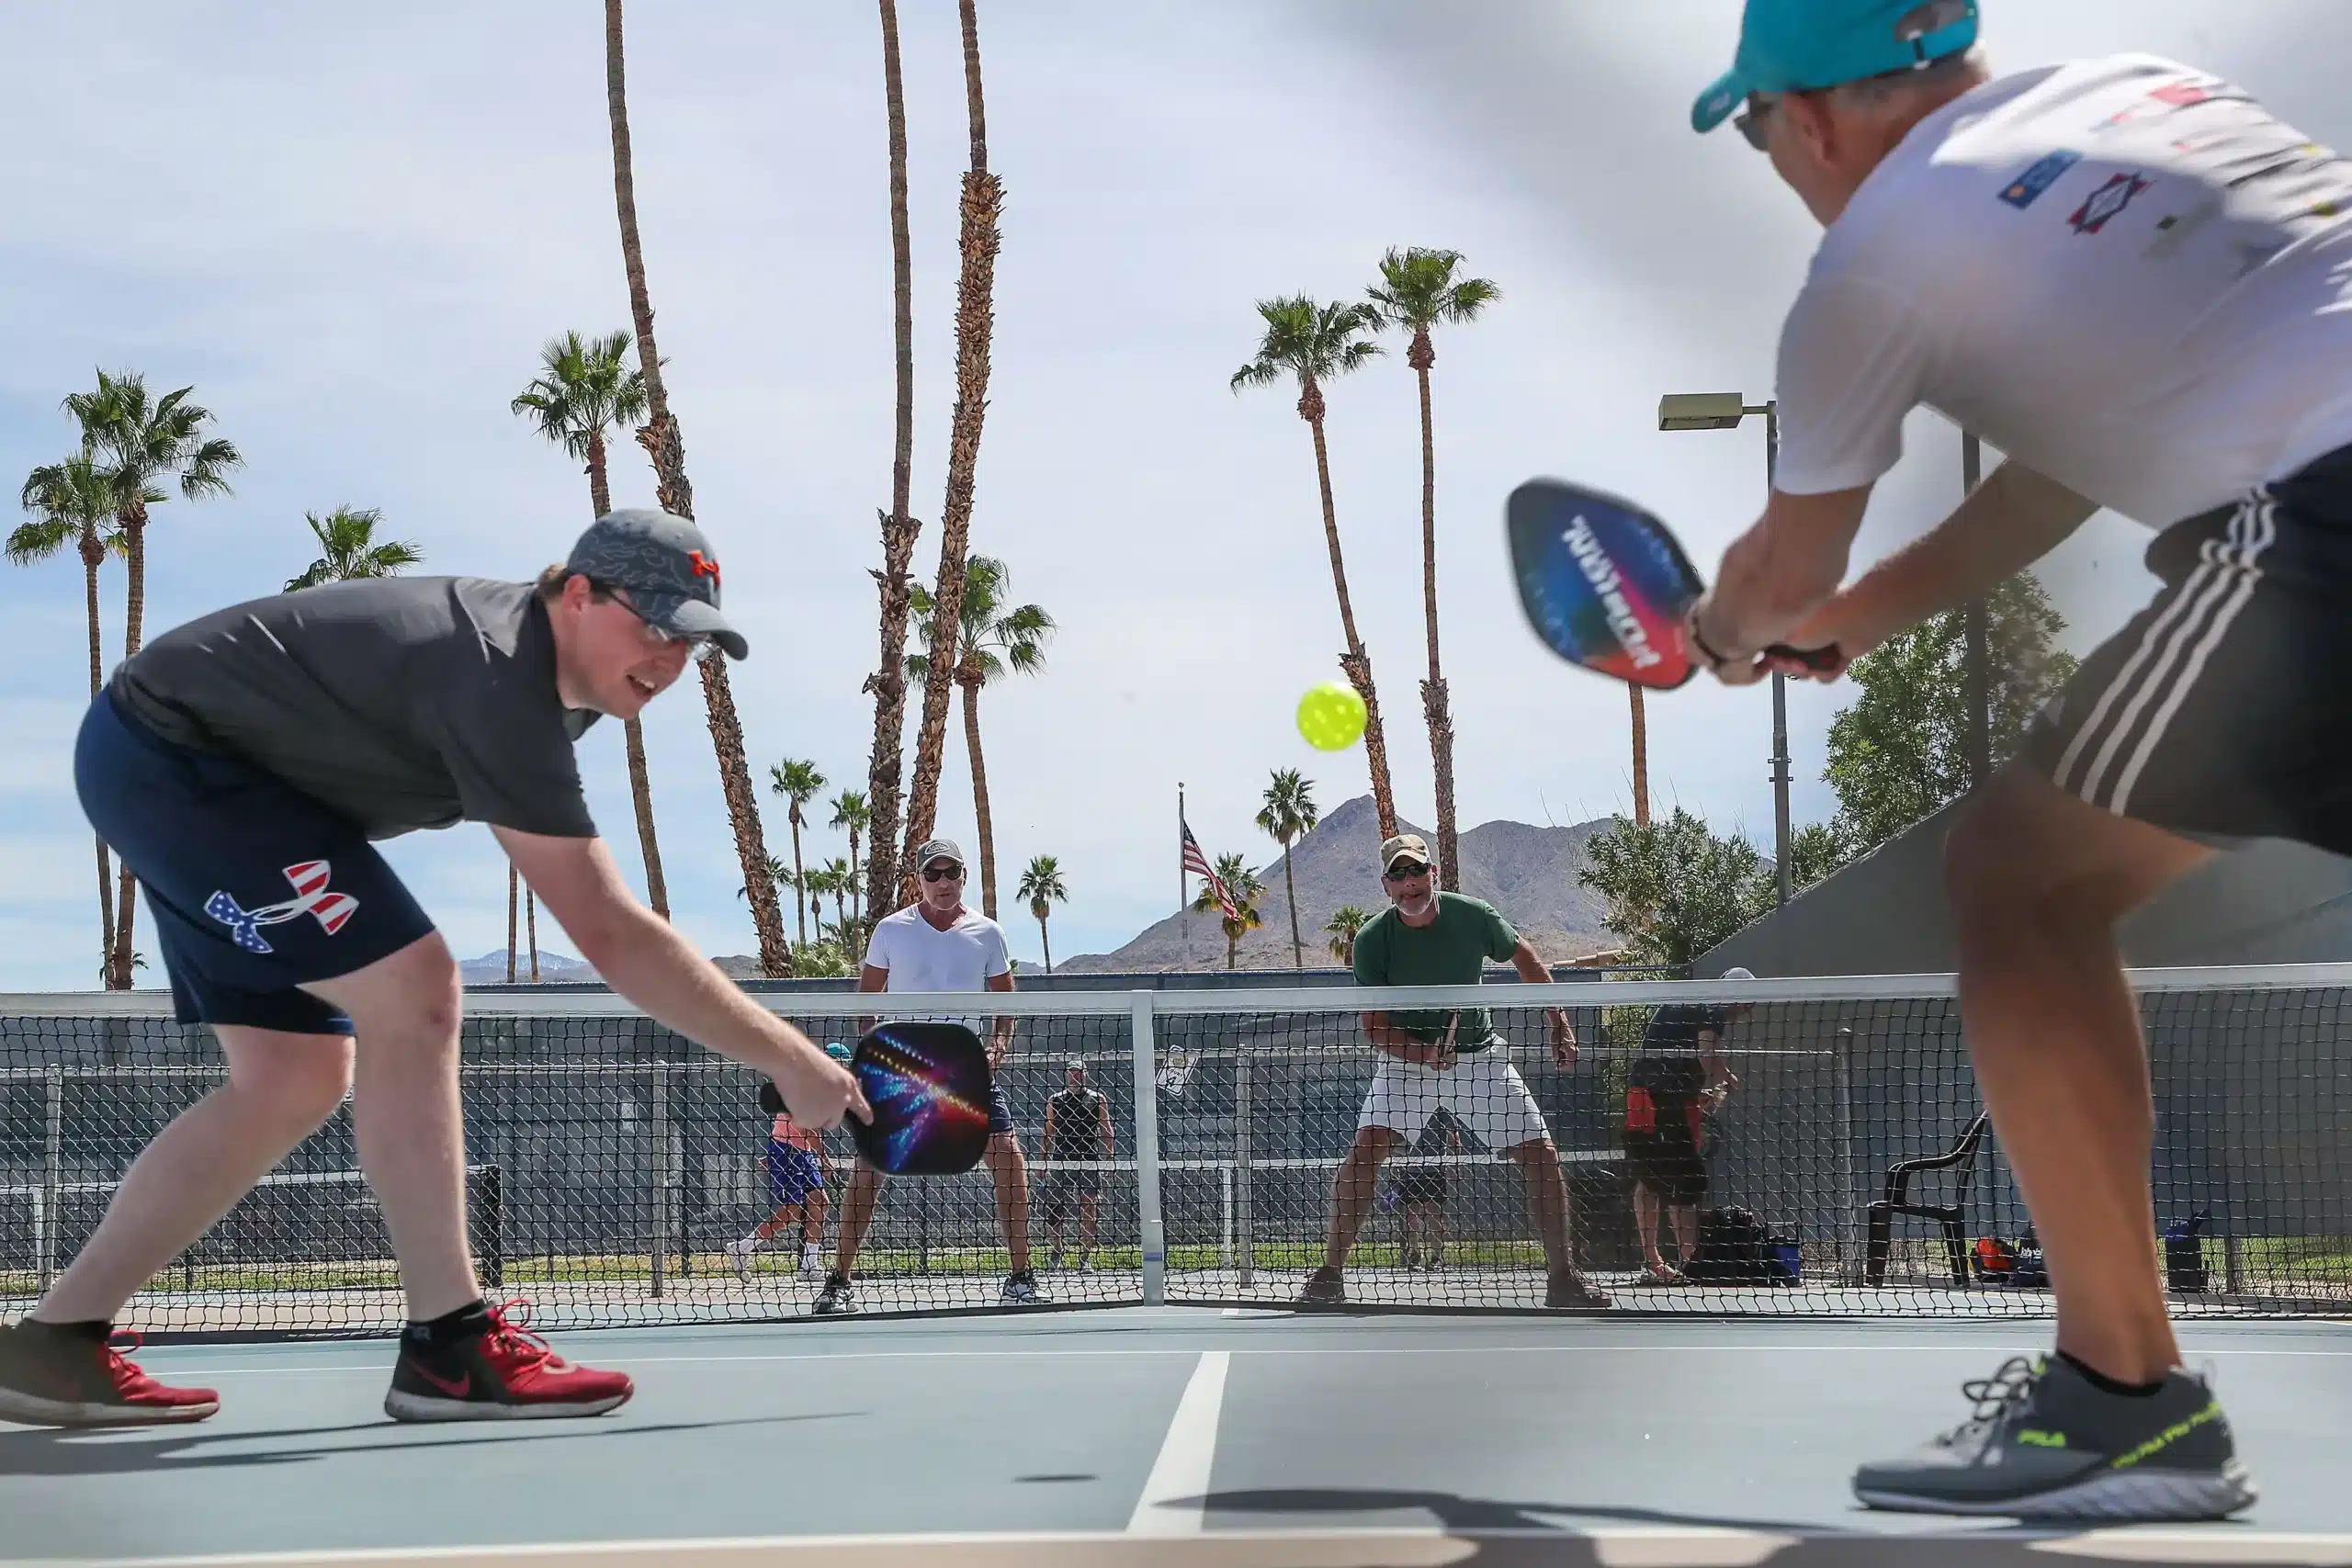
[
  {"x": 669, "y": 569},
  {"x": 938, "y": 848}
]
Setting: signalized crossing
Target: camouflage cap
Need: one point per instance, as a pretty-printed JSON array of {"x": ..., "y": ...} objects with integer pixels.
[{"x": 668, "y": 567}]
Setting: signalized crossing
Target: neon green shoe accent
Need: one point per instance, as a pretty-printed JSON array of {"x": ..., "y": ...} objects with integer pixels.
[
  {"x": 2166, "y": 1438},
  {"x": 2042, "y": 1439}
]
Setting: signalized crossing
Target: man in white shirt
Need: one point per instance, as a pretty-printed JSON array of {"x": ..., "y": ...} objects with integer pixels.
[
  {"x": 937, "y": 944},
  {"x": 2131, "y": 278}
]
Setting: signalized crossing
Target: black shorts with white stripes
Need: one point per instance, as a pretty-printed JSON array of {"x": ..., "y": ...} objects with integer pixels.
[{"x": 2225, "y": 709}]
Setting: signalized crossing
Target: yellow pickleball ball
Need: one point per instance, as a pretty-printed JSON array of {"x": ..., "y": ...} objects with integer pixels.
[{"x": 1330, "y": 716}]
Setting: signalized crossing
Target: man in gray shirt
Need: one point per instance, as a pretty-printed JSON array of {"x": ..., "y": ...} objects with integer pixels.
[{"x": 242, "y": 764}]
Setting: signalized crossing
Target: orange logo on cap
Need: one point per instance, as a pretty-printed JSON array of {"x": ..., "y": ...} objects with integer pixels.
[{"x": 703, "y": 568}]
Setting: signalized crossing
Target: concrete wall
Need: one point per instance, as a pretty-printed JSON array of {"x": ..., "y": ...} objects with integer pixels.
[{"x": 1886, "y": 914}]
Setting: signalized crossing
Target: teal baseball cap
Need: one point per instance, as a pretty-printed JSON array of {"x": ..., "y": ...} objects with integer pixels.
[{"x": 1788, "y": 46}]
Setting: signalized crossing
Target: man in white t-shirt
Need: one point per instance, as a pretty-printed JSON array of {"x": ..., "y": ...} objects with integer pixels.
[
  {"x": 937, "y": 944},
  {"x": 2131, "y": 278}
]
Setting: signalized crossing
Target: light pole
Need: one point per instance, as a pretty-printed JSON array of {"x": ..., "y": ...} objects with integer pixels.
[{"x": 1723, "y": 410}]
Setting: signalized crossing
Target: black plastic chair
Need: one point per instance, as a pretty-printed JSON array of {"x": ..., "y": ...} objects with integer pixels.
[{"x": 1960, "y": 1159}]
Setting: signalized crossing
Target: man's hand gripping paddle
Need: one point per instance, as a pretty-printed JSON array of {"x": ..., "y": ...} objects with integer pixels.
[
  {"x": 928, "y": 1084},
  {"x": 1605, "y": 585}
]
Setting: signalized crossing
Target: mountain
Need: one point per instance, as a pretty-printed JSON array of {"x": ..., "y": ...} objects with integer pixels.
[
  {"x": 1530, "y": 873},
  {"x": 489, "y": 969}
]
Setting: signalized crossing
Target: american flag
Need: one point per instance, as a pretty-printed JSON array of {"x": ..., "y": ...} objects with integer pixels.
[{"x": 1198, "y": 864}]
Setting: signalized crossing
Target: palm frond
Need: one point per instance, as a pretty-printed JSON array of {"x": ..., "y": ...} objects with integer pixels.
[{"x": 39, "y": 539}]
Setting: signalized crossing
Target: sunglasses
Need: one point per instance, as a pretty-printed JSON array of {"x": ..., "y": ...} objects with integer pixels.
[
  {"x": 942, "y": 873},
  {"x": 1750, "y": 123},
  {"x": 703, "y": 644},
  {"x": 1406, "y": 872}
]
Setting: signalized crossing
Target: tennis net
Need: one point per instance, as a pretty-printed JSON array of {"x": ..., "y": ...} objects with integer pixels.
[{"x": 1789, "y": 1148}]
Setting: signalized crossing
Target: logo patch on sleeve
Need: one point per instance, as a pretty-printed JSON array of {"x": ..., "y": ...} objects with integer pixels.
[
  {"x": 2101, "y": 206},
  {"x": 2027, "y": 189}
]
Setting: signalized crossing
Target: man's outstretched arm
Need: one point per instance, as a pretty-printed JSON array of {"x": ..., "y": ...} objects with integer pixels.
[{"x": 644, "y": 959}]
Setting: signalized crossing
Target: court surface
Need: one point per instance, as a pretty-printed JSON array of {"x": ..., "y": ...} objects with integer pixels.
[{"x": 1153, "y": 1436}]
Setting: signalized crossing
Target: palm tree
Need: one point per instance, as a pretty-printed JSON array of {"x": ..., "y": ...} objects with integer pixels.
[
  {"x": 1241, "y": 885},
  {"x": 1417, "y": 290},
  {"x": 658, "y": 435},
  {"x": 144, "y": 445},
  {"x": 850, "y": 812},
  {"x": 798, "y": 782},
  {"x": 840, "y": 879},
  {"x": 1312, "y": 344},
  {"x": 348, "y": 538},
  {"x": 74, "y": 502},
  {"x": 975, "y": 318},
  {"x": 1345, "y": 921},
  {"x": 1042, "y": 886},
  {"x": 888, "y": 681},
  {"x": 999, "y": 637},
  {"x": 1289, "y": 810},
  {"x": 585, "y": 387}
]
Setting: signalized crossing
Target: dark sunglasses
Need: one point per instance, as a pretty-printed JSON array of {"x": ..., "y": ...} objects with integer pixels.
[
  {"x": 1406, "y": 872},
  {"x": 942, "y": 873},
  {"x": 1750, "y": 121},
  {"x": 703, "y": 644}
]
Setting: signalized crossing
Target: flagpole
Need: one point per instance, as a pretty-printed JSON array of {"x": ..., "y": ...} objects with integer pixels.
[{"x": 1183, "y": 878}]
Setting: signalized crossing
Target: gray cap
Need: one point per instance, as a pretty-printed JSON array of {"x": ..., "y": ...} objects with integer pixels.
[
  {"x": 1075, "y": 1064},
  {"x": 938, "y": 848},
  {"x": 669, "y": 569}
]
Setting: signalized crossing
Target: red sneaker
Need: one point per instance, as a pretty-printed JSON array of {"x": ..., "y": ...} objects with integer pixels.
[
  {"x": 505, "y": 1373},
  {"x": 54, "y": 1379}
]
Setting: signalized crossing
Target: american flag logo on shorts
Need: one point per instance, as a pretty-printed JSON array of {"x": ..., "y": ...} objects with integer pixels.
[{"x": 311, "y": 897}]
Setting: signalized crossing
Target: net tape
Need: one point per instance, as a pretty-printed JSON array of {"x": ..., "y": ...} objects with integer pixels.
[{"x": 614, "y": 1162}]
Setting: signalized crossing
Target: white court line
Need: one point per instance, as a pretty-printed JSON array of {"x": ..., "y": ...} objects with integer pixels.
[
  {"x": 374, "y": 1369},
  {"x": 1186, "y": 1455}
]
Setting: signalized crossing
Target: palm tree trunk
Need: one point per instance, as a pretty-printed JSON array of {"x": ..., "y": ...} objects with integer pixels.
[
  {"x": 1356, "y": 662},
  {"x": 975, "y": 318},
  {"x": 640, "y": 782},
  {"x": 640, "y": 789},
  {"x": 93, "y": 554},
  {"x": 514, "y": 903},
  {"x": 1232, "y": 951},
  {"x": 661, "y": 442},
  {"x": 1434, "y": 707},
  {"x": 799, "y": 879},
  {"x": 980, "y": 797},
  {"x": 133, "y": 519},
  {"x": 856, "y": 909},
  {"x": 888, "y": 682},
  {"x": 1640, "y": 758},
  {"x": 1047, "y": 942},
  {"x": 531, "y": 923},
  {"x": 1290, "y": 897}
]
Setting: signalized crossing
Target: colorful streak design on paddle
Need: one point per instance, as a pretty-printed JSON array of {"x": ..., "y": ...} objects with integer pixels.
[
  {"x": 928, "y": 1084},
  {"x": 1603, "y": 582}
]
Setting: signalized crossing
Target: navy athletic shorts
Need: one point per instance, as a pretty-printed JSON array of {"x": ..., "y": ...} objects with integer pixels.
[
  {"x": 1000, "y": 1110},
  {"x": 255, "y": 887},
  {"x": 793, "y": 1173},
  {"x": 2221, "y": 711}
]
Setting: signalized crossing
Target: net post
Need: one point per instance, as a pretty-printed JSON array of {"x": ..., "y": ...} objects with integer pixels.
[
  {"x": 1154, "y": 1238},
  {"x": 493, "y": 1238},
  {"x": 658, "y": 1128},
  {"x": 1850, "y": 1266},
  {"x": 53, "y": 1163},
  {"x": 1244, "y": 1222}
]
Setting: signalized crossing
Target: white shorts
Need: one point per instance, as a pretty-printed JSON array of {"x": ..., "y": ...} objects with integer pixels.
[{"x": 1482, "y": 1090}]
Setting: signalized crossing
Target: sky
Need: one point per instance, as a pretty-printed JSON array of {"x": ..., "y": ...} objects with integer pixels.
[{"x": 351, "y": 230}]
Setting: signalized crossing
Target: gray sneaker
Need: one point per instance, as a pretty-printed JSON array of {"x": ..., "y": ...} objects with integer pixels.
[
  {"x": 1021, "y": 1289},
  {"x": 1325, "y": 1288},
  {"x": 2044, "y": 1443},
  {"x": 837, "y": 1298}
]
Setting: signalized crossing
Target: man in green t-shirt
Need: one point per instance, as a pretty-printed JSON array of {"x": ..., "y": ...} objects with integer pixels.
[{"x": 1447, "y": 1058}]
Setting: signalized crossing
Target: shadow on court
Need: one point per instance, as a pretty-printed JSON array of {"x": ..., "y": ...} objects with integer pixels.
[
  {"x": 1525, "y": 1534},
  {"x": 129, "y": 1452}
]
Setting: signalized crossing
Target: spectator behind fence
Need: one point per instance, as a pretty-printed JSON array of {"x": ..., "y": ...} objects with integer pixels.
[{"x": 1679, "y": 1080}]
